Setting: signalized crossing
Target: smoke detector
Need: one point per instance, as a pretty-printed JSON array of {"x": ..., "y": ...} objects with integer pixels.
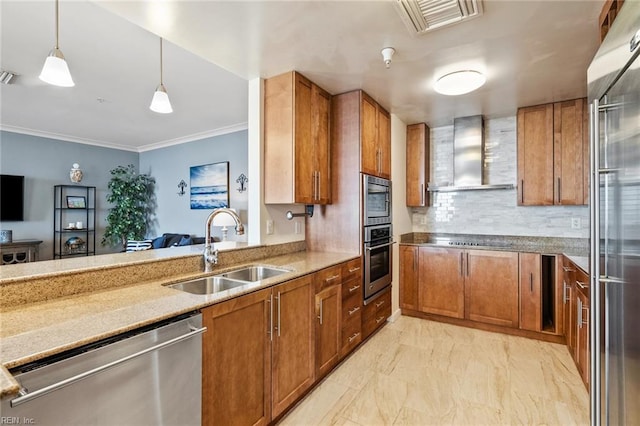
[
  {"x": 387, "y": 54},
  {"x": 421, "y": 16}
]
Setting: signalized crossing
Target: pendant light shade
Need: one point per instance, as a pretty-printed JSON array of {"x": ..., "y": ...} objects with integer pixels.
[
  {"x": 160, "y": 102},
  {"x": 55, "y": 70}
]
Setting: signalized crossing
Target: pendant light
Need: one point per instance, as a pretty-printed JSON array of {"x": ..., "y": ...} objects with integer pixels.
[
  {"x": 160, "y": 102},
  {"x": 55, "y": 70}
]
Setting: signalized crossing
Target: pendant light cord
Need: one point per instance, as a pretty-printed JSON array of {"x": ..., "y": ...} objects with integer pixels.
[
  {"x": 57, "y": 20},
  {"x": 161, "y": 60}
]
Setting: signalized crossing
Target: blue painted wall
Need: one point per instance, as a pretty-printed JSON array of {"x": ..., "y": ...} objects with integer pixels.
[
  {"x": 171, "y": 164},
  {"x": 46, "y": 162}
]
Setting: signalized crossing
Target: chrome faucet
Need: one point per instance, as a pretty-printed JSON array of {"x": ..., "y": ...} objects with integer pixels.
[{"x": 211, "y": 253}]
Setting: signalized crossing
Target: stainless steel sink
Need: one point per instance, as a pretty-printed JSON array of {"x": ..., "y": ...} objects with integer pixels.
[
  {"x": 229, "y": 280},
  {"x": 254, "y": 273},
  {"x": 208, "y": 285}
]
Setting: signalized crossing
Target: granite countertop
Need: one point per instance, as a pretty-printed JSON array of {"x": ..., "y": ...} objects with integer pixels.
[
  {"x": 576, "y": 247},
  {"x": 33, "y": 331}
]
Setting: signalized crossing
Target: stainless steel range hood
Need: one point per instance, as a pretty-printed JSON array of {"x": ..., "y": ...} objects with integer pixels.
[{"x": 468, "y": 157}]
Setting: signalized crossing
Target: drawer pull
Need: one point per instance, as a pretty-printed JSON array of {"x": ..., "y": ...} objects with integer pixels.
[
  {"x": 352, "y": 270},
  {"x": 354, "y": 337},
  {"x": 354, "y": 310},
  {"x": 568, "y": 269},
  {"x": 335, "y": 277},
  {"x": 354, "y": 288},
  {"x": 379, "y": 320},
  {"x": 379, "y": 304},
  {"x": 581, "y": 284}
]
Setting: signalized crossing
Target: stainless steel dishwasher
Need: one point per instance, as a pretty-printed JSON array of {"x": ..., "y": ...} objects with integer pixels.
[{"x": 150, "y": 376}]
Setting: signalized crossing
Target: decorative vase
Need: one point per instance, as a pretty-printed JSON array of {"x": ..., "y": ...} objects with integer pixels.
[{"x": 75, "y": 174}]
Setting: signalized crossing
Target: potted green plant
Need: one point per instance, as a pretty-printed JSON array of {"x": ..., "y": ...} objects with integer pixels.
[{"x": 133, "y": 198}]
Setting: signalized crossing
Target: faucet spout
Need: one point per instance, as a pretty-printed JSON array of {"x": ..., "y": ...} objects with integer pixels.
[{"x": 210, "y": 253}]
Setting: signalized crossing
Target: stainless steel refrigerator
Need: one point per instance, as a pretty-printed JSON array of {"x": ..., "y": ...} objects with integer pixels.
[{"x": 614, "y": 94}]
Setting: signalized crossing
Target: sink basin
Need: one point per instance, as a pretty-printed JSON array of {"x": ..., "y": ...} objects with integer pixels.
[
  {"x": 254, "y": 273},
  {"x": 208, "y": 285}
]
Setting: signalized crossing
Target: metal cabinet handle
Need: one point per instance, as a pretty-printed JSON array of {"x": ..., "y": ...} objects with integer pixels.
[
  {"x": 26, "y": 397},
  {"x": 521, "y": 191},
  {"x": 331, "y": 278},
  {"x": 581, "y": 284},
  {"x": 354, "y": 337},
  {"x": 586, "y": 317},
  {"x": 381, "y": 245},
  {"x": 270, "y": 302},
  {"x": 354, "y": 310},
  {"x": 467, "y": 264},
  {"x": 415, "y": 260},
  {"x": 531, "y": 282},
  {"x": 354, "y": 288},
  {"x": 352, "y": 270},
  {"x": 320, "y": 316},
  {"x": 461, "y": 264},
  {"x": 568, "y": 269},
  {"x": 379, "y": 320},
  {"x": 379, "y": 304},
  {"x": 566, "y": 292},
  {"x": 559, "y": 190},
  {"x": 319, "y": 186},
  {"x": 278, "y": 326},
  {"x": 422, "y": 194},
  {"x": 579, "y": 313}
]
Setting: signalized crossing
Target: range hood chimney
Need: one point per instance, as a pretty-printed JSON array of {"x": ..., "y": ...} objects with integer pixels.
[{"x": 468, "y": 157}]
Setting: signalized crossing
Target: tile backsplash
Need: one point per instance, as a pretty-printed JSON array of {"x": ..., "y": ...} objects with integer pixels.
[{"x": 490, "y": 211}]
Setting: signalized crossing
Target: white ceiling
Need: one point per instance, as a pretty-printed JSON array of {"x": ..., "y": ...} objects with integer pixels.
[{"x": 531, "y": 51}]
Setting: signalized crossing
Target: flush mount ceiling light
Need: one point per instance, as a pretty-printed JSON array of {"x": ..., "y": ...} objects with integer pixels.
[
  {"x": 55, "y": 70},
  {"x": 459, "y": 82},
  {"x": 160, "y": 102}
]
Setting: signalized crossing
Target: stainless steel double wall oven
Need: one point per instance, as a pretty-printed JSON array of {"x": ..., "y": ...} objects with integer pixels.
[{"x": 377, "y": 235}]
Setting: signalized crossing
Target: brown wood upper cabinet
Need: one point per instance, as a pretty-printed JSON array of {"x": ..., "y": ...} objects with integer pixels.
[
  {"x": 553, "y": 154},
  {"x": 296, "y": 140},
  {"x": 417, "y": 164},
  {"x": 366, "y": 119}
]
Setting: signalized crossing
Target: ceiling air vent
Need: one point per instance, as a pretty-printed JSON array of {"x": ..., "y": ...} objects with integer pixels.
[{"x": 421, "y": 16}]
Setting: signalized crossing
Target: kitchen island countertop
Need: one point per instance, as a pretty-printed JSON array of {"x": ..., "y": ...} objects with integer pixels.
[{"x": 33, "y": 331}]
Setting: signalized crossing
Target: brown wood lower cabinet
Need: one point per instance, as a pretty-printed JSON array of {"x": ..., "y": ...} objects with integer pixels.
[
  {"x": 376, "y": 313},
  {"x": 530, "y": 297},
  {"x": 441, "y": 281},
  {"x": 236, "y": 361},
  {"x": 253, "y": 369},
  {"x": 351, "y": 305},
  {"x": 328, "y": 342}
]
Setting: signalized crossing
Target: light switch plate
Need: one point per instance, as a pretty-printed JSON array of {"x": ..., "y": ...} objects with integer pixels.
[
  {"x": 575, "y": 223},
  {"x": 269, "y": 227}
]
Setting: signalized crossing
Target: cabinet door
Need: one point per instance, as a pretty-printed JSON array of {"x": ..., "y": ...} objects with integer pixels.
[
  {"x": 491, "y": 287},
  {"x": 409, "y": 257},
  {"x": 582, "y": 336},
  {"x": 322, "y": 152},
  {"x": 441, "y": 285},
  {"x": 535, "y": 155},
  {"x": 368, "y": 136},
  {"x": 530, "y": 292},
  {"x": 417, "y": 164},
  {"x": 303, "y": 142},
  {"x": 293, "y": 351},
  {"x": 569, "y": 141},
  {"x": 328, "y": 324},
  {"x": 236, "y": 361},
  {"x": 384, "y": 143}
]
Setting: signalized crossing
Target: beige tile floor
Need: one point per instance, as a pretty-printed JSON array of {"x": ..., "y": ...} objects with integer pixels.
[{"x": 419, "y": 372}]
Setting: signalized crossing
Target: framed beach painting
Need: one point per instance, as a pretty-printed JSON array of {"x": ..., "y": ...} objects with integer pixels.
[{"x": 210, "y": 186}]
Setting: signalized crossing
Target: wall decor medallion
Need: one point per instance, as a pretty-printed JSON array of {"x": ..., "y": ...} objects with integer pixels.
[
  {"x": 181, "y": 186},
  {"x": 242, "y": 179},
  {"x": 210, "y": 186}
]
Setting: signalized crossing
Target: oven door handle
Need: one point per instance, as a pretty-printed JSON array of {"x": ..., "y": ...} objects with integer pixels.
[{"x": 380, "y": 245}]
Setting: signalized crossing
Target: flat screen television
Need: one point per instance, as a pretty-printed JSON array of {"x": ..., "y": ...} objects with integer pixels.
[{"x": 11, "y": 198}]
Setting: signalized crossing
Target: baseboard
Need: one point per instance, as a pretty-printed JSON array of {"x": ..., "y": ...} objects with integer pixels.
[{"x": 394, "y": 316}]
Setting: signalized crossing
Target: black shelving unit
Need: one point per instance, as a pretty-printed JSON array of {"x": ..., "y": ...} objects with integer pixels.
[{"x": 73, "y": 204}]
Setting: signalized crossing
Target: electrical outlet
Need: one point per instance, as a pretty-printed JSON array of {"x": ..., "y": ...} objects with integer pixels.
[
  {"x": 575, "y": 223},
  {"x": 298, "y": 227},
  {"x": 423, "y": 219},
  {"x": 269, "y": 227}
]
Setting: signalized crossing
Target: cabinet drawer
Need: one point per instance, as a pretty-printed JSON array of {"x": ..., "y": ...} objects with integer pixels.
[
  {"x": 352, "y": 270},
  {"x": 369, "y": 325},
  {"x": 351, "y": 335},
  {"x": 352, "y": 288},
  {"x": 376, "y": 306},
  {"x": 328, "y": 277},
  {"x": 351, "y": 308},
  {"x": 582, "y": 282}
]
